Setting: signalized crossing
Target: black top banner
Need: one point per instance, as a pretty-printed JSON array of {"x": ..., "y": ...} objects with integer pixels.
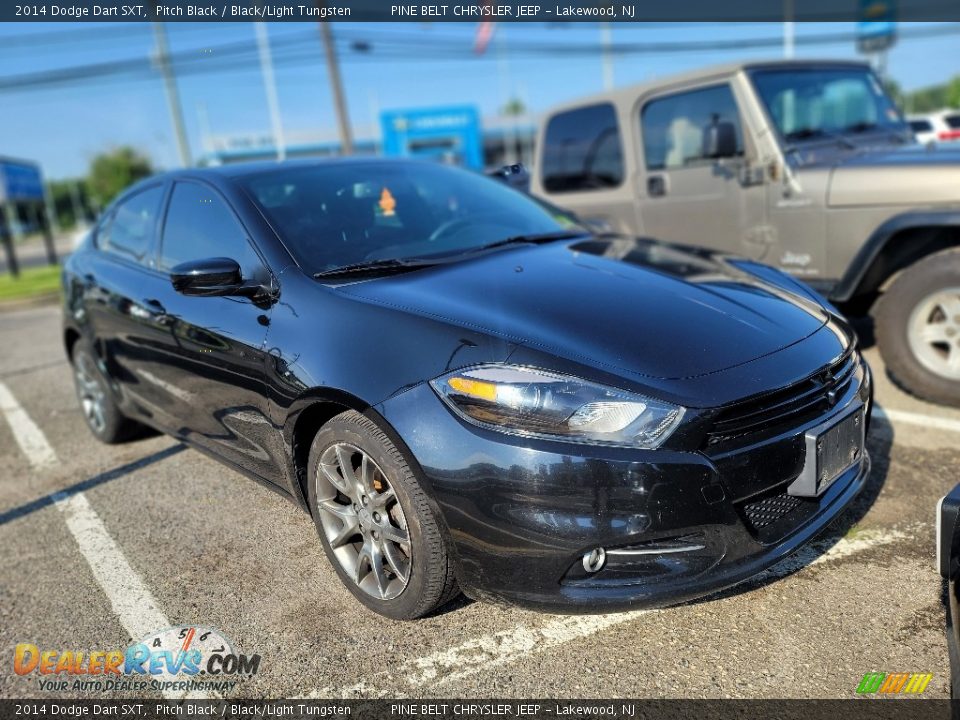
[{"x": 629, "y": 11}]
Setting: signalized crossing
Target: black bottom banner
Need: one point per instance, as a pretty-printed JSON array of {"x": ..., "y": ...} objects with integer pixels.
[{"x": 859, "y": 709}]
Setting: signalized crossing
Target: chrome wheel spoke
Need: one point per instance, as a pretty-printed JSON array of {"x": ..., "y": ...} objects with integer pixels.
[
  {"x": 381, "y": 499},
  {"x": 331, "y": 474},
  {"x": 950, "y": 306},
  {"x": 345, "y": 461},
  {"x": 376, "y": 568},
  {"x": 398, "y": 563},
  {"x": 355, "y": 499},
  {"x": 396, "y": 535},
  {"x": 935, "y": 333}
]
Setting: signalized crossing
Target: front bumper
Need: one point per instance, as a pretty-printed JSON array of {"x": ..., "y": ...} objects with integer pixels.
[{"x": 675, "y": 524}]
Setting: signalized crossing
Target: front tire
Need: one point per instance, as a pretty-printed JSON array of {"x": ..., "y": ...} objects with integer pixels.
[
  {"x": 918, "y": 328},
  {"x": 100, "y": 411},
  {"x": 375, "y": 523}
]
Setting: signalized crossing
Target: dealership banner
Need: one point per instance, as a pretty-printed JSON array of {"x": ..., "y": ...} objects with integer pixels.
[
  {"x": 470, "y": 11},
  {"x": 481, "y": 709}
]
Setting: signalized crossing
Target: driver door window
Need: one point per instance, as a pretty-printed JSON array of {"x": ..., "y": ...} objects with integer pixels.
[
  {"x": 200, "y": 225},
  {"x": 673, "y": 126},
  {"x": 690, "y": 194}
]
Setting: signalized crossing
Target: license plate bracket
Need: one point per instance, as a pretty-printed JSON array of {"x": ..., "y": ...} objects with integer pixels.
[{"x": 831, "y": 449}]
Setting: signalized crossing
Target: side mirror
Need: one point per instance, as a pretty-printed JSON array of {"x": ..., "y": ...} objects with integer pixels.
[
  {"x": 209, "y": 277},
  {"x": 719, "y": 140}
]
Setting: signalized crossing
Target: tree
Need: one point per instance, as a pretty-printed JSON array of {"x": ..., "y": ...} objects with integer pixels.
[
  {"x": 953, "y": 93},
  {"x": 514, "y": 108},
  {"x": 71, "y": 202},
  {"x": 112, "y": 171}
]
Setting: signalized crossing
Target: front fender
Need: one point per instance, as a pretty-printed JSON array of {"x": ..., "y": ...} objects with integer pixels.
[{"x": 867, "y": 268}]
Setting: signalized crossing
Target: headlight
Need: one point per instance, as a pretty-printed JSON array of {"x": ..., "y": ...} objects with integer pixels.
[{"x": 526, "y": 401}]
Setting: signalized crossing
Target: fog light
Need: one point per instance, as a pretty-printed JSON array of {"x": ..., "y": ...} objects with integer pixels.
[{"x": 593, "y": 560}]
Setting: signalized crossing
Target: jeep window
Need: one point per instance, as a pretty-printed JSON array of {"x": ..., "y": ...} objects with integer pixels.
[
  {"x": 820, "y": 103},
  {"x": 673, "y": 126},
  {"x": 582, "y": 150},
  {"x": 952, "y": 121},
  {"x": 921, "y": 126}
]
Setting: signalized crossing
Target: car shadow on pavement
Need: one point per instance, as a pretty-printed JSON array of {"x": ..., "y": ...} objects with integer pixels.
[
  {"x": 41, "y": 502},
  {"x": 879, "y": 441}
]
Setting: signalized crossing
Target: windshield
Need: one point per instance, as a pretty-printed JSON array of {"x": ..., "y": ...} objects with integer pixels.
[
  {"x": 817, "y": 103},
  {"x": 339, "y": 214}
]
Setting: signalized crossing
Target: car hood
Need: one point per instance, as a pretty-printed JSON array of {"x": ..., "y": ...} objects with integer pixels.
[
  {"x": 632, "y": 305},
  {"x": 913, "y": 174}
]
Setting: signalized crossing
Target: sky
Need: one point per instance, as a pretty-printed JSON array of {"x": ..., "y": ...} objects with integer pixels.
[{"x": 384, "y": 67}]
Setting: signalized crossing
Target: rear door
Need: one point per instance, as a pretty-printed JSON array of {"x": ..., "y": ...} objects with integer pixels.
[
  {"x": 582, "y": 167},
  {"x": 207, "y": 364},
  {"x": 687, "y": 197},
  {"x": 123, "y": 326}
]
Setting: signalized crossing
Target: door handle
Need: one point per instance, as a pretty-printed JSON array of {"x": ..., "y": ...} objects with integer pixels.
[{"x": 656, "y": 186}]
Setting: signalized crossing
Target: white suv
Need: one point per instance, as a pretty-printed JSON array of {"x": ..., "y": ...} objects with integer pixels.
[{"x": 943, "y": 126}]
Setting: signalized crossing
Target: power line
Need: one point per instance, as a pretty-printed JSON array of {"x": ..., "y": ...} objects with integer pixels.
[{"x": 300, "y": 49}]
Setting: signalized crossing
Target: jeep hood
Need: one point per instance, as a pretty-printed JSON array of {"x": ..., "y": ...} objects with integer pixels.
[
  {"x": 635, "y": 305},
  {"x": 910, "y": 175}
]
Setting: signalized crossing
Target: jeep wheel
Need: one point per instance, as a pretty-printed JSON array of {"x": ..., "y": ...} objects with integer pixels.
[{"x": 918, "y": 328}]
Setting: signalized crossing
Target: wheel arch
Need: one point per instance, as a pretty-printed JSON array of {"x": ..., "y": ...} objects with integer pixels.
[
  {"x": 70, "y": 337},
  {"x": 896, "y": 244},
  {"x": 314, "y": 409}
]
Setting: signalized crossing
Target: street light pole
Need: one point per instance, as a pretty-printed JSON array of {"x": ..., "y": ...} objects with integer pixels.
[
  {"x": 270, "y": 86},
  {"x": 173, "y": 97},
  {"x": 339, "y": 104}
]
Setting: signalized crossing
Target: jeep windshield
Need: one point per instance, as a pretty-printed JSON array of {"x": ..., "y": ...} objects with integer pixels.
[{"x": 827, "y": 104}]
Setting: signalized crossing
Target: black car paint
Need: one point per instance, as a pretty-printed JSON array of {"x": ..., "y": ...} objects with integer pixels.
[{"x": 234, "y": 377}]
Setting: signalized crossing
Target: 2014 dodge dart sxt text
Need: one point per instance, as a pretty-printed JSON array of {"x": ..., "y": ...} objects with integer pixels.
[{"x": 467, "y": 390}]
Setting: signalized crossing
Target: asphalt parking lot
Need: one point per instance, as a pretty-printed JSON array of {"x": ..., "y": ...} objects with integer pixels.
[{"x": 101, "y": 545}]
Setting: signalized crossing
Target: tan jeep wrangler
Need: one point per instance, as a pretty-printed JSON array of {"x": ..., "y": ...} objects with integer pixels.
[{"x": 807, "y": 166}]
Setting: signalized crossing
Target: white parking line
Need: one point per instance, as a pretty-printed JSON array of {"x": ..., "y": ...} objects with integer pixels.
[
  {"x": 911, "y": 418},
  {"x": 489, "y": 651},
  {"x": 132, "y": 602},
  {"x": 29, "y": 437}
]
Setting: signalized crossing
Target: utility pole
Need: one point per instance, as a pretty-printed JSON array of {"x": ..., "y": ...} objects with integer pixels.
[
  {"x": 173, "y": 97},
  {"x": 788, "y": 29},
  {"x": 339, "y": 104},
  {"x": 606, "y": 40},
  {"x": 270, "y": 86}
]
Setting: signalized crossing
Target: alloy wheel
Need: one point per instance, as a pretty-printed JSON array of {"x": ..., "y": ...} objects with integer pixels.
[
  {"x": 933, "y": 332},
  {"x": 362, "y": 520},
  {"x": 90, "y": 392}
]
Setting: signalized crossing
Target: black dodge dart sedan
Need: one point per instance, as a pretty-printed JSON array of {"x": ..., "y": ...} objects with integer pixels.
[{"x": 465, "y": 389}]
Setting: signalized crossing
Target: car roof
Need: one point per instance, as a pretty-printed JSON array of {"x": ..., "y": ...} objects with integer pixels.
[
  {"x": 244, "y": 169},
  {"x": 631, "y": 92}
]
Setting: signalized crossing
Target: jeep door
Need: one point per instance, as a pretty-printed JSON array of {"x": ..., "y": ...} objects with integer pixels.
[{"x": 692, "y": 189}]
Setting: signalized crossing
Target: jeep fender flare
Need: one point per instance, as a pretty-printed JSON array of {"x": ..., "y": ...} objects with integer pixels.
[{"x": 865, "y": 262}]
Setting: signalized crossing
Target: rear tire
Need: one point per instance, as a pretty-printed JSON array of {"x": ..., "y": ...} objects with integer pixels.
[
  {"x": 375, "y": 523},
  {"x": 100, "y": 410},
  {"x": 918, "y": 328}
]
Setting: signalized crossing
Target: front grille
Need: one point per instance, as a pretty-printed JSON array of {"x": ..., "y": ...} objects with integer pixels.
[
  {"x": 765, "y": 512},
  {"x": 782, "y": 409}
]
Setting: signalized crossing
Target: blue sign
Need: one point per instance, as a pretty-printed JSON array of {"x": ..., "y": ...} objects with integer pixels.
[
  {"x": 20, "y": 181},
  {"x": 877, "y": 28},
  {"x": 450, "y": 135}
]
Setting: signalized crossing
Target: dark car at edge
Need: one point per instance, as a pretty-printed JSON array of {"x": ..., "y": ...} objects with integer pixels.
[{"x": 465, "y": 389}]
